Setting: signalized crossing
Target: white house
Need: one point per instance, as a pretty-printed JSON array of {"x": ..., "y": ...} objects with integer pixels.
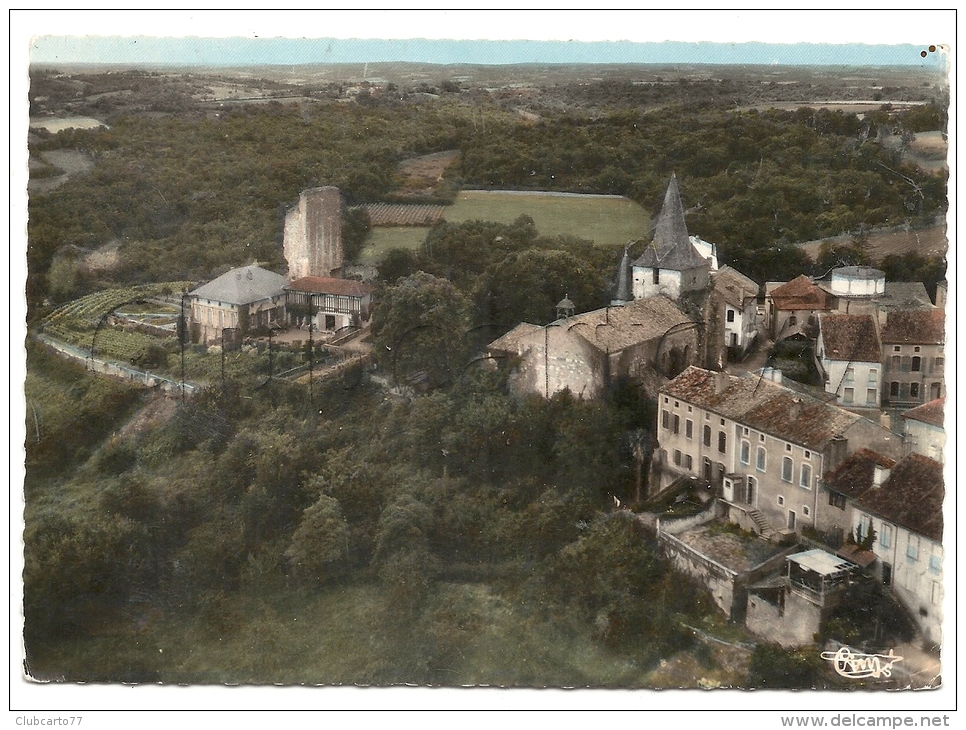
[
  {"x": 924, "y": 430},
  {"x": 243, "y": 299},
  {"x": 904, "y": 513},
  {"x": 849, "y": 359}
]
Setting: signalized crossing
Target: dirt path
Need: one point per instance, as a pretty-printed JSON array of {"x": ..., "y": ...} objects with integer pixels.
[{"x": 156, "y": 412}]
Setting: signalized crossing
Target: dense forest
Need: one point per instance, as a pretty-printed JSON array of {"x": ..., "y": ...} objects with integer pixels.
[{"x": 438, "y": 532}]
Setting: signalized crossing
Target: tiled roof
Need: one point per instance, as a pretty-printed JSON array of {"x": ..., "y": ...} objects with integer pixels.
[
  {"x": 799, "y": 294},
  {"x": 512, "y": 340},
  {"x": 616, "y": 328},
  {"x": 763, "y": 405},
  {"x": 850, "y": 337},
  {"x": 904, "y": 295},
  {"x": 917, "y": 326},
  {"x": 855, "y": 474},
  {"x": 734, "y": 287},
  {"x": 931, "y": 413},
  {"x": 328, "y": 285},
  {"x": 912, "y": 497},
  {"x": 243, "y": 285},
  {"x": 671, "y": 247}
]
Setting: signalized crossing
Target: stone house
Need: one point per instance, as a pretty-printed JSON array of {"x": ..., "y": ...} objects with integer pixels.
[
  {"x": 839, "y": 489},
  {"x": 791, "y": 306},
  {"x": 849, "y": 359},
  {"x": 737, "y": 297},
  {"x": 646, "y": 341},
  {"x": 913, "y": 343},
  {"x": 337, "y": 303},
  {"x": 764, "y": 445},
  {"x": 904, "y": 514},
  {"x": 924, "y": 430},
  {"x": 244, "y": 299}
]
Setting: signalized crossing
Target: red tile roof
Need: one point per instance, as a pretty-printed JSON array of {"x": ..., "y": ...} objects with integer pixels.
[
  {"x": 854, "y": 476},
  {"x": 326, "y": 285},
  {"x": 931, "y": 412},
  {"x": 912, "y": 497},
  {"x": 918, "y": 326},
  {"x": 850, "y": 337},
  {"x": 800, "y": 294}
]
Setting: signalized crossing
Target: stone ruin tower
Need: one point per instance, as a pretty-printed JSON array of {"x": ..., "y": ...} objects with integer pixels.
[{"x": 312, "y": 243}]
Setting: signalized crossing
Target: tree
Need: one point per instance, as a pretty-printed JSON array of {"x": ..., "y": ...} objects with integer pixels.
[
  {"x": 418, "y": 329},
  {"x": 356, "y": 225},
  {"x": 320, "y": 541}
]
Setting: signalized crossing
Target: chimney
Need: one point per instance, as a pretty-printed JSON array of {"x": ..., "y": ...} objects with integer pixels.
[
  {"x": 838, "y": 449},
  {"x": 879, "y": 475},
  {"x": 721, "y": 382},
  {"x": 772, "y": 374},
  {"x": 941, "y": 294},
  {"x": 797, "y": 407}
]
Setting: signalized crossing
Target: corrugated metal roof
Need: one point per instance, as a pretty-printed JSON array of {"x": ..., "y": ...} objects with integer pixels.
[{"x": 243, "y": 285}]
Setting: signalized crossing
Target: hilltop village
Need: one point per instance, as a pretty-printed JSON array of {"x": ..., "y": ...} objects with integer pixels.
[{"x": 347, "y": 420}]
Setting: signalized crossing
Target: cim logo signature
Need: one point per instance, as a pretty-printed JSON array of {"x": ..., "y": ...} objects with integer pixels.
[{"x": 860, "y": 666}]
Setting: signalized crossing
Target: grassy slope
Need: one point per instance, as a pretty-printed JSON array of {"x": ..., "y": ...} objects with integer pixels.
[{"x": 606, "y": 221}]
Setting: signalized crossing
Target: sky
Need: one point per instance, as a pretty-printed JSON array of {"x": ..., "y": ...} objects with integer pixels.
[{"x": 453, "y": 36}]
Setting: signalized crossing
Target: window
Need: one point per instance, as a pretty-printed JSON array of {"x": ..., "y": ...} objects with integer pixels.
[
  {"x": 793, "y": 319},
  {"x": 760, "y": 459},
  {"x": 913, "y": 390},
  {"x": 677, "y": 404},
  {"x": 665, "y": 399},
  {"x": 805, "y": 510},
  {"x": 808, "y": 454},
  {"x": 935, "y": 563},
  {"x": 836, "y": 500},
  {"x": 885, "y": 538},
  {"x": 656, "y": 276},
  {"x": 761, "y": 437},
  {"x": 689, "y": 428},
  {"x": 865, "y": 525},
  {"x": 870, "y": 396},
  {"x": 781, "y": 501},
  {"x": 677, "y": 423},
  {"x": 806, "y": 478},
  {"x": 906, "y": 363},
  {"x": 665, "y": 419},
  {"x": 788, "y": 447},
  {"x": 916, "y": 348},
  {"x": 912, "y": 549},
  {"x": 677, "y": 457},
  {"x": 849, "y": 395},
  {"x": 707, "y": 435},
  {"x": 688, "y": 462},
  {"x": 897, "y": 348},
  {"x": 722, "y": 422},
  {"x": 745, "y": 452},
  {"x": 873, "y": 377},
  {"x": 731, "y": 315},
  {"x": 849, "y": 375},
  {"x": 787, "y": 466},
  {"x": 894, "y": 363},
  {"x": 752, "y": 489},
  {"x": 938, "y": 364},
  {"x": 916, "y": 363},
  {"x": 893, "y": 390}
]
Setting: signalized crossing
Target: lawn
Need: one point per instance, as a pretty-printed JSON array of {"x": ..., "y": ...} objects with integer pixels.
[
  {"x": 606, "y": 220},
  {"x": 381, "y": 240}
]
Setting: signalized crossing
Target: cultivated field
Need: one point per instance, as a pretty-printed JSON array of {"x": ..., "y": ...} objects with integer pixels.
[
  {"x": 398, "y": 214},
  {"x": 926, "y": 241},
  {"x": 382, "y": 239},
  {"x": 605, "y": 219}
]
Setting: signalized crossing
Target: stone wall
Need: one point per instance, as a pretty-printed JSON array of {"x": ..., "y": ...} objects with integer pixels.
[{"x": 313, "y": 234}]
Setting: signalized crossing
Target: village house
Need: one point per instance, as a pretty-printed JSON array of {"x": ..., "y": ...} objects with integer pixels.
[
  {"x": 763, "y": 444},
  {"x": 337, "y": 303},
  {"x": 902, "y": 511},
  {"x": 646, "y": 341},
  {"x": 839, "y": 489},
  {"x": 924, "y": 430},
  {"x": 914, "y": 359},
  {"x": 736, "y": 296},
  {"x": 792, "y": 306},
  {"x": 849, "y": 359},
  {"x": 242, "y": 300}
]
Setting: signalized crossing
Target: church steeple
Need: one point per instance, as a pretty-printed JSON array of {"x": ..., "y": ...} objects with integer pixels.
[
  {"x": 624, "y": 293},
  {"x": 671, "y": 232}
]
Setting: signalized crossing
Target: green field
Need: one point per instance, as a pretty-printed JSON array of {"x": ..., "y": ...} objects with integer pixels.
[
  {"x": 381, "y": 239},
  {"x": 604, "y": 220},
  {"x": 607, "y": 221}
]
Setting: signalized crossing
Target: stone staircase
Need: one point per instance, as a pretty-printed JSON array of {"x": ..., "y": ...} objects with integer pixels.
[{"x": 765, "y": 530}]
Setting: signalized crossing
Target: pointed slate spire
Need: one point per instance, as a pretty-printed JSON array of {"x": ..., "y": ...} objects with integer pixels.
[
  {"x": 624, "y": 278},
  {"x": 671, "y": 231}
]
